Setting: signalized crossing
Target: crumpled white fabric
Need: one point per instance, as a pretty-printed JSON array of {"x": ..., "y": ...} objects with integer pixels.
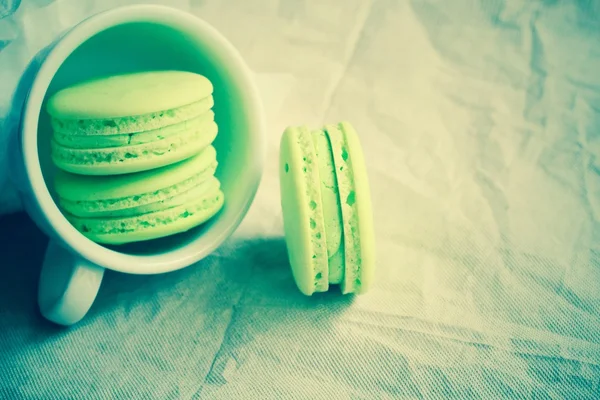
[{"x": 480, "y": 122}]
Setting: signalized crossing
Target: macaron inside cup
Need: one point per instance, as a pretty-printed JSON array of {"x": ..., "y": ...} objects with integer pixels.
[
  {"x": 131, "y": 122},
  {"x": 134, "y": 155},
  {"x": 147, "y": 205}
]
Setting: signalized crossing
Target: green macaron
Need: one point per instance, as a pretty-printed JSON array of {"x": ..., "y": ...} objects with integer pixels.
[
  {"x": 144, "y": 205},
  {"x": 326, "y": 206},
  {"x": 132, "y": 122}
]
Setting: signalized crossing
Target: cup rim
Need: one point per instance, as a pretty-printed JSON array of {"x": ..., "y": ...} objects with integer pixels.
[{"x": 63, "y": 47}]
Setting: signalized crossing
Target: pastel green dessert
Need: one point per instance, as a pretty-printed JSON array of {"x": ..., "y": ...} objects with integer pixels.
[
  {"x": 326, "y": 207},
  {"x": 132, "y": 122},
  {"x": 145, "y": 205}
]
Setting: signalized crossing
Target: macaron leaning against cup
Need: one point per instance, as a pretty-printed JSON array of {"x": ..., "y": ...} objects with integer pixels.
[
  {"x": 131, "y": 122},
  {"x": 326, "y": 206},
  {"x": 145, "y": 205}
]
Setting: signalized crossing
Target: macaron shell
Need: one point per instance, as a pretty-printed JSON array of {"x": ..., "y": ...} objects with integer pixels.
[
  {"x": 151, "y": 225},
  {"x": 136, "y": 158},
  {"x": 129, "y": 94},
  {"x": 302, "y": 213},
  {"x": 356, "y": 208}
]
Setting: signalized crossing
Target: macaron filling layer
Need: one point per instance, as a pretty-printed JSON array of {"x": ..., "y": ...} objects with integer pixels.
[
  {"x": 332, "y": 213},
  {"x": 312, "y": 178},
  {"x": 203, "y": 133},
  {"x": 209, "y": 185},
  {"x": 345, "y": 180},
  {"x": 131, "y": 124},
  {"x": 194, "y": 218},
  {"x": 208, "y": 205},
  {"x": 75, "y": 141}
]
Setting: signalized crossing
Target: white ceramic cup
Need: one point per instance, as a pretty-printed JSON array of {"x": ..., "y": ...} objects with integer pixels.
[{"x": 126, "y": 39}]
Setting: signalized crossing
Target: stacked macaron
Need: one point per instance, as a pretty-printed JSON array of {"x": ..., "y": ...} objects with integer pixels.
[
  {"x": 134, "y": 155},
  {"x": 326, "y": 207}
]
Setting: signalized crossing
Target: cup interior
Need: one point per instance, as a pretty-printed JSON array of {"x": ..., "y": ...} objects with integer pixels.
[{"x": 154, "y": 45}]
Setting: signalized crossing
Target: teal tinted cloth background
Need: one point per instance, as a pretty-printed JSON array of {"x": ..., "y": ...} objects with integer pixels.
[{"x": 480, "y": 121}]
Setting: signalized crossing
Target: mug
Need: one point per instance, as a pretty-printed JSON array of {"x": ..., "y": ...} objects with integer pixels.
[{"x": 121, "y": 40}]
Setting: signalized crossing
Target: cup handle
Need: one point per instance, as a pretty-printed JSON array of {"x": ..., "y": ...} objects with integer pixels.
[{"x": 68, "y": 285}]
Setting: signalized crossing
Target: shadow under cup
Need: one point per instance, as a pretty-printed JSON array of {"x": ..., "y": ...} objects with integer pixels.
[{"x": 142, "y": 46}]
